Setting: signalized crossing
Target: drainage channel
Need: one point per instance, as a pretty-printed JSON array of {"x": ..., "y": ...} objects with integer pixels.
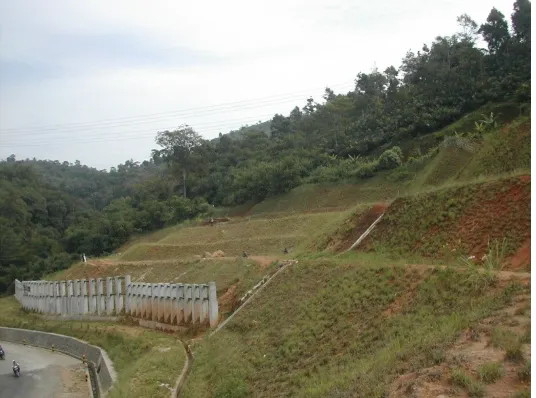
[{"x": 181, "y": 381}]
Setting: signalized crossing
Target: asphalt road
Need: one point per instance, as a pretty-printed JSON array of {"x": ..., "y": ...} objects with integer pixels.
[{"x": 41, "y": 372}]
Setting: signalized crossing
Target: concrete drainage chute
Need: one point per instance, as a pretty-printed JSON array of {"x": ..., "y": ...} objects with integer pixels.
[{"x": 364, "y": 235}]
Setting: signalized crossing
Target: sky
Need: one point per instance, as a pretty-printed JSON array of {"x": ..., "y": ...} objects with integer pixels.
[{"x": 95, "y": 80}]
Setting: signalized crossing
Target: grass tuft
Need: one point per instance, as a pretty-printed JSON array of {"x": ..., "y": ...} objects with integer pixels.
[
  {"x": 462, "y": 379},
  {"x": 514, "y": 353},
  {"x": 521, "y": 394},
  {"x": 491, "y": 372},
  {"x": 524, "y": 372}
]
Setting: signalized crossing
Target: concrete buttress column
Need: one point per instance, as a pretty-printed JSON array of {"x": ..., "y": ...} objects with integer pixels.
[
  {"x": 85, "y": 296},
  {"x": 169, "y": 304},
  {"x": 38, "y": 296},
  {"x": 70, "y": 303},
  {"x": 174, "y": 306},
  {"x": 188, "y": 303},
  {"x": 155, "y": 297},
  {"x": 128, "y": 294},
  {"x": 204, "y": 304},
  {"x": 32, "y": 296},
  {"x": 109, "y": 296},
  {"x": 76, "y": 297},
  {"x": 180, "y": 303},
  {"x": 161, "y": 302},
  {"x": 57, "y": 292},
  {"x": 92, "y": 299},
  {"x": 131, "y": 303},
  {"x": 41, "y": 297},
  {"x": 147, "y": 304},
  {"x": 101, "y": 306},
  {"x": 118, "y": 296},
  {"x": 138, "y": 288},
  {"x": 197, "y": 304},
  {"x": 212, "y": 305},
  {"x": 63, "y": 294},
  {"x": 51, "y": 298},
  {"x": 35, "y": 305}
]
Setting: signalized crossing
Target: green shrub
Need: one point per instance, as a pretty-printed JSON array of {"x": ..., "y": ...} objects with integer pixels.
[
  {"x": 521, "y": 394},
  {"x": 514, "y": 353},
  {"x": 366, "y": 170},
  {"x": 390, "y": 159},
  {"x": 490, "y": 372},
  {"x": 461, "y": 379},
  {"x": 524, "y": 372}
]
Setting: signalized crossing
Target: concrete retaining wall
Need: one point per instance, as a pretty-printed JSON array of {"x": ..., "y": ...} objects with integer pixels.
[
  {"x": 101, "y": 367},
  {"x": 174, "y": 304}
]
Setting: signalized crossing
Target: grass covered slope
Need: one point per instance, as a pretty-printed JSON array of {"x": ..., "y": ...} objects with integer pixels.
[
  {"x": 327, "y": 197},
  {"x": 258, "y": 236},
  {"x": 503, "y": 151},
  {"x": 329, "y": 329},
  {"x": 459, "y": 220}
]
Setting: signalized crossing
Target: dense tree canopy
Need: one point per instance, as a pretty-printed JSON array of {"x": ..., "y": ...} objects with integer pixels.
[{"x": 50, "y": 212}]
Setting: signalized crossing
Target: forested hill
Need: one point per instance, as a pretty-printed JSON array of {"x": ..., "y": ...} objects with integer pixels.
[{"x": 50, "y": 212}]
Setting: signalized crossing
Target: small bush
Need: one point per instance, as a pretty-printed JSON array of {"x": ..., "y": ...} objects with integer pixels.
[
  {"x": 399, "y": 174},
  {"x": 514, "y": 353},
  {"x": 476, "y": 390},
  {"x": 367, "y": 170},
  {"x": 495, "y": 255},
  {"x": 521, "y": 394},
  {"x": 524, "y": 372},
  {"x": 461, "y": 379},
  {"x": 525, "y": 339},
  {"x": 490, "y": 372},
  {"x": 390, "y": 159},
  {"x": 503, "y": 338}
]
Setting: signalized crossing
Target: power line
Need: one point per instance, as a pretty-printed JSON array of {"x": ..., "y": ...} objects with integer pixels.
[
  {"x": 183, "y": 112},
  {"x": 130, "y": 135},
  {"x": 201, "y": 126},
  {"x": 251, "y": 106}
]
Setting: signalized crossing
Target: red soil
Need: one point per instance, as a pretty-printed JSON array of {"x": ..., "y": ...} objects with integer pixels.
[{"x": 362, "y": 224}]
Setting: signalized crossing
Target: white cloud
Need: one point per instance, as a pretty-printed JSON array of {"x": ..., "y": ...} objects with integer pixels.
[{"x": 255, "y": 49}]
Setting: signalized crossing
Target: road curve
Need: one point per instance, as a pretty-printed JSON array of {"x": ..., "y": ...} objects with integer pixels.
[{"x": 43, "y": 374}]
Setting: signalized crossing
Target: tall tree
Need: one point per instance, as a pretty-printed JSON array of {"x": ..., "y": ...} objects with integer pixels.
[
  {"x": 177, "y": 148},
  {"x": 521, "y": 20},
  {"x": 495, "y": 31}
]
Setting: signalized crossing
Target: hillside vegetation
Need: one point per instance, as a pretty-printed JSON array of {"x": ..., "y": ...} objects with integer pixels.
[
  {"x": 434, "y": 302},
  {"x": 378, "y": 137},
  {"x": 344, "y": 329}
]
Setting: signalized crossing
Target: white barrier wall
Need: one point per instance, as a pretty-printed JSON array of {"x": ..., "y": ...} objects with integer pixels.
[{"x": 175, "y": 304}]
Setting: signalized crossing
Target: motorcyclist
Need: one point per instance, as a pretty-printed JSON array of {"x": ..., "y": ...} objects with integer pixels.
[
  {"x": 2, "y": 352},
  {"x": 16, "y": 365}
]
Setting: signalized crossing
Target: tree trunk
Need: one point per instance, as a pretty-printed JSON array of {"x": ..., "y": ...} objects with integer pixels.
[{"x": 184, "y": 181}]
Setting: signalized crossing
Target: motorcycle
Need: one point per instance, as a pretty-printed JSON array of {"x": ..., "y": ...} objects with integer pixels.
[{"x": 16, "y": 371}]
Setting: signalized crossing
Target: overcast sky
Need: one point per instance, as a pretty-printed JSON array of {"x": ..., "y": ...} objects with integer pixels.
[{"x": 95, "y": 80}]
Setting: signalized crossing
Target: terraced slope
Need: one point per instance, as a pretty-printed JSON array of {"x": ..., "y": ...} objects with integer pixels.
[{"x": 266, "y": 236}]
